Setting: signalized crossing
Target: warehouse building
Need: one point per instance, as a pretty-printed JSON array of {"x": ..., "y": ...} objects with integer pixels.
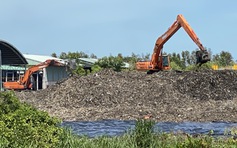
[
  {"x": 10, "y": 58},
  {"x": 13, "y": 65},
  {"x": 49, "y": 75}
]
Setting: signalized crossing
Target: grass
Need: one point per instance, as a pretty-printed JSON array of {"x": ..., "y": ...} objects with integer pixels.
[{"x": 142, "y": 136}]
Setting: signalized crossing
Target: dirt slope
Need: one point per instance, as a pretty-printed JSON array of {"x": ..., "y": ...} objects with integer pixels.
[{"x": 164, "y": 96}]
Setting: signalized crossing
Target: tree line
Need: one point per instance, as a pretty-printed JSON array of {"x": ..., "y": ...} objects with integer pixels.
[{"x": 185, "y": 60}]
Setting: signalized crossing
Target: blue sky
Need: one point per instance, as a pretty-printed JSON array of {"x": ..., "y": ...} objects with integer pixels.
[{"x": 109, "y": 27}]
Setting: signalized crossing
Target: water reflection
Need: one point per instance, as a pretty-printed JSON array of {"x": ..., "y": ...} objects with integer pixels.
[{"x": 118, "y": 127}]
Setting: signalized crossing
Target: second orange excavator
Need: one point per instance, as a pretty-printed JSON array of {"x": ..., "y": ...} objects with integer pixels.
[
  {"x": 24, "y": 82},
  {"x": 161, "y": 62}
]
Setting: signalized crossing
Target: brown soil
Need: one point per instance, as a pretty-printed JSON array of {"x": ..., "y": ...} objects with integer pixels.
[{"x": 164, "y": 96}]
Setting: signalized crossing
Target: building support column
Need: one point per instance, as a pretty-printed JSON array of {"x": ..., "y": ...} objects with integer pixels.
[{"x": 37, "y": 81}]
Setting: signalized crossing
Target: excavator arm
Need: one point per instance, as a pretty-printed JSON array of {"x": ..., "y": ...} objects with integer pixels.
[
  {"x": 157, "y": 59},
  {"x": 156, "y": 62},
  {"x": 183, "y": 23},
  {"x": 24, "y": 82},
  {"x": 202, "y": 56}
]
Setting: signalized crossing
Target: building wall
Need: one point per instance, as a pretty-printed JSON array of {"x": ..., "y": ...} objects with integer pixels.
[{"x": 53, "y": 74}]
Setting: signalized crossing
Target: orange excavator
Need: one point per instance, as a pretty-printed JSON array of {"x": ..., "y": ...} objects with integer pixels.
[
  {"x": 25, "y": 81},
  {"x": 161, "y": 62}
]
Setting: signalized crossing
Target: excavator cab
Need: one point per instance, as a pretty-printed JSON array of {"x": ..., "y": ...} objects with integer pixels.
[
  {"x": 202, "y": 56},
  {"x": 165, "y": 62}
]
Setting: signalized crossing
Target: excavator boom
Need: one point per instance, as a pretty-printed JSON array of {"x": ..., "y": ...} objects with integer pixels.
[
  {"x": 182, "y": 21},
  {"x": 160, "y": 62}
]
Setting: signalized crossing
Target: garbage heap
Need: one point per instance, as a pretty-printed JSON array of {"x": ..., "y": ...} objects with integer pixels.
[{"x": 205, "y": 95}]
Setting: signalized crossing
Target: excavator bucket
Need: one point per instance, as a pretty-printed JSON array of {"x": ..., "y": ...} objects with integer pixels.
[{"x": 202, "y": 56}]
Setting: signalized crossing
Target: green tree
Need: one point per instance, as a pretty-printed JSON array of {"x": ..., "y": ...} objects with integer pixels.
[
  {"x": 23, "y": 126},
  {"x": 223, "y": 59},
  {"x": 63, "y": 55},
  {"x": 54, "y": 55},
  {"x": 176, "y": 62},
  {"x": 132, "y": 60},
  {"x": 73, "y": 55},
  {"x": 116, "y": 63},
  {"x": 76, "y": 55},
  {"x": 145, "y": 57},
  {"x": 93, "y": 56},
  {"x": 193, "y": 57},
  {"x": 120, "y": 55},
  {"x": 183, "y": 60},
  {"x": 175, "y": 66},
  {"x": 83, "y": 55},
  {"x": 178, "y": 56}
]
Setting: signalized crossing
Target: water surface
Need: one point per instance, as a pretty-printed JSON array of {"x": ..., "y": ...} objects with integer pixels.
[{"x": 119, "y": 127}]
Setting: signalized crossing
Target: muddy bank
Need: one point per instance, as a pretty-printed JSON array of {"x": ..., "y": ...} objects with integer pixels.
[{"x": 163, "y": 96}]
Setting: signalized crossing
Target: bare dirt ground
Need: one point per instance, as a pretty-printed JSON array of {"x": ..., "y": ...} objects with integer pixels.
[{"x": 164, "y": 96}]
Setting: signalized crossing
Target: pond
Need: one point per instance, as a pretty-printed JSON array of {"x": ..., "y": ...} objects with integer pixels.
[{"x": 119, "y": 127}]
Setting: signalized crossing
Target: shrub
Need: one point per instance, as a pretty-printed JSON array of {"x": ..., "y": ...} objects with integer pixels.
[
  {"x": 116, "y": 63},
  {"x": 143, "y": 133},
  {"x": 23, "y": 126},
  {"x": 174, "y": 66}
]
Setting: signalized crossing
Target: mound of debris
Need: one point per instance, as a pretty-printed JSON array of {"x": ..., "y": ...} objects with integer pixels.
[
  {"x": 163, "y": 96},
  {"x": 218, "y": 85}
]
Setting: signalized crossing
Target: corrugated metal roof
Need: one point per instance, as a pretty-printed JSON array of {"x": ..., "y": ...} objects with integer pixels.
[
  {"x": 36, "y": 59},
  {"x": 89, "y": 60},
  {"x": 32, "y": 62},
  {"x": 93, "y": 61}
]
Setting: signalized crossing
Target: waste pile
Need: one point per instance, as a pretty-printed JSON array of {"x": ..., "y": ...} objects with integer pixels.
[
  {"x": 218, "y": 85},
  {"x": 164, "y": 96}
]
